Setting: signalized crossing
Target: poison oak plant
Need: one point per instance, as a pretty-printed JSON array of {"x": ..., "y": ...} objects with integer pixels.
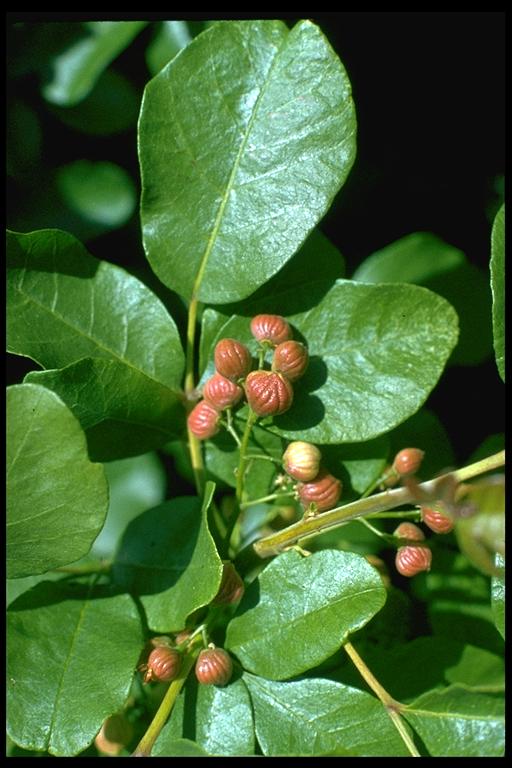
[{"x": 262, "y": 612}]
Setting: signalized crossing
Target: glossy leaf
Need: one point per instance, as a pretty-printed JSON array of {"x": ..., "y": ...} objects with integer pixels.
[
  {"x": 71, "y": 656},
  {"x": 99, "y": 191},
  {"x": 176, "y": 748},
  {"x": 376, "y": 352},
  {"x": 315, "y": 716},
  {"x": 56, "y": 498},
  {"x": 170, "y": 38},
  {"x": 300, "y": 610},
  {"x": 167, "y": 557},
  {"x": 498, "y": 597},
  {"x": 458, "y": 722},
  {"x": 64, "y": 305},
  {"x": 257, "y": 123},
  {"x": 219, "y": 717},
  {"x": 357, "y": 465},
  {"x": 497, "y": 267},
  {"x": 123, "y": 411},
  {"x": 77, "y": 68}
]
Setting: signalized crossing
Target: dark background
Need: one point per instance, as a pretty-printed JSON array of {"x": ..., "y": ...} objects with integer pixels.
[{"x": 429, "y": 94}]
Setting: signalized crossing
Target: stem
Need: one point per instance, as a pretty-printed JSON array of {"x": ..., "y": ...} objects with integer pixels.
[
  {"x": 270, "y": 497},
  {"x": 411, "y": 514},
  {"x": 372, "y": 528},
  {"x": 79, "y": 570},
  {"x": 242, "y": 463},
  {"x": 145, "y": 745},
  {"x": 230, "y": 428},
  {"x": 196, "y": 455},
  {"x": 262, "y": 456},
  {"x": 392, "y": 706},
  {"x": 380, "y": 502}
]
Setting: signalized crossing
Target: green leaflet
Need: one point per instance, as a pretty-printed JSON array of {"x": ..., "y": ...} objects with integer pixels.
[
  {"x": 56, "y": 498},
  {"x": 300, "y": 610},
  {"x": 257, "y": 123},
  {"x": 498, "y": 597},
  {"x": 497, "y": 267},
  {"x": 71, "y": 655}
]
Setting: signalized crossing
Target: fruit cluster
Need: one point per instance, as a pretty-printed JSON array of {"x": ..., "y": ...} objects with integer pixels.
[
  {"x": 268, "y": 393},
  {"x": 316, "y": 485}
]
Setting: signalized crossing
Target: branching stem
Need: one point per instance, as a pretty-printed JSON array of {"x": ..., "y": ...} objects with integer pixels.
[{"x": 196, "y": 455}]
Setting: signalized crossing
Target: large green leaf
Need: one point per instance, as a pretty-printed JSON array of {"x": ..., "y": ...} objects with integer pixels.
[
  {"x": 218, "y": 718},
  {"x": 300, "y": 610},
  {"x": 71, "y": 654},
  {"x": 459, "y": 722},
  {"x": 376, "y": 352},
  {"x": 63, "y": 305},
  {"x": 170, "y": 38},
  {"x": 244, "y": 139},
  {"x": 168, "y": 557},
  {"x": 497, "y": 267},
  {"x": 123, "y": 411},
  {"x": 315, "y": 716},
  {"x": 76, "y": 69},
  {"x": 498, "y": 597},
  {"x": 56, "y": 498}
]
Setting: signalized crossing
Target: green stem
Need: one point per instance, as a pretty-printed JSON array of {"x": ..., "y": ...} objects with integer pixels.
[
  {"x": 392, "y": 706},
  {"x": 264, "y": 457},
  {"x": 146, "y": 744},
  {"x": 377, "y": 482},
  {"x": 196, "y": 455},
  {"x": 230, "y": 428},
  {"x": 411, "y": 514},
  {"x": 242, "y": 462},
  {"x": 380, "y": 502},
  {"x": 372, "y": 528},
  {"x": 263, "y": 499},
  {"x": 79, "y": 570}
]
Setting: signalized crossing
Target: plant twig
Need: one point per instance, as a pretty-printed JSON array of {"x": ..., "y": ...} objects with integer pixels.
[
  {"x": 196, "y": 456},
  {"x": 263, "y": 499}
]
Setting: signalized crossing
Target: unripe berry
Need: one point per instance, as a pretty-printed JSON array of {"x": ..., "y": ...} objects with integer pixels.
[
  {"x": 270, "y": 328},
  {"x": 115, "y": 734},
  {"x": 324, "y": 491},
  {"x": 408, "y": 461},
  {"x": 437, "y": 521},
  {"x": 232, "y": 359},
  {"x": 203, "y": 420},
  {"x": 221, "y": 393},
  {"x": 231, "y": 586},
  {"x": 163, "y": 664},
  {"x": 409, "y": 531},
  {"x": 268, "y": 394},
  {"x": 290, "y": 358},
  {"x": 411, "y": 559},
  {"x": 302, "y": 460},
  {"x": 214, "y": 666}
]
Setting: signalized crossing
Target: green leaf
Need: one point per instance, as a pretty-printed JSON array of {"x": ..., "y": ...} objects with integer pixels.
[
  {"x": 357, "y": 465},
  {"x": 77, "y": 69},
  {"x": 424, "y": 259},
  {"x": 71, "y": 654},
  {"x": 424, "y": 430},
  {"x": 497, "y": 267},
  {"x": 64, "y": 305},
  {"x": 57, "y": 499},
  {"x": 176, "y": 748},
  {"x": 481, "y": 530},
  {"x": 300, "y": 611},
  {"x": 315, "y": 716},
  {"x": 99, "y": 191},
  {"x": 498, "y": 597},
  {"x": 122, "y": 410},
  {"x": 220, "y": 719},
  {"x": 458, "y": 722},
  {"x": 257, "y": 123},
  {"x": 135, "y": 485},
  {"x": 168, "y": 557},
  {"x": 376, "y": 352},
  {"x": 170, "y": 38}
]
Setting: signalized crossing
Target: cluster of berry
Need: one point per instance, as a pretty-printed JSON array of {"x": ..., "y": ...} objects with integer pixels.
[
  {"x": 316, "y": 485},
  {"x": 268, "y": 393}
]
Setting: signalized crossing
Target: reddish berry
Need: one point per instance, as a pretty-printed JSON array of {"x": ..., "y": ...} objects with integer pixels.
[
  {"x": 302, "y": 460},
  {"x": 409, "y": 531},
  {"x": 231, "y": 586},
  {"x": 411, "y": 559},
  {"x": 214, "y": 666},
  {"x": 324, "y": 491},
  {"x": 270, "y": 328},
  {"x": 115, "y": 733},
  {"x": 203, "y": 420},
  {"x": 163, "y": 664},
  {"x": 232, "y": 359},
  {"x": 182, "y": 636},
  {"x": 157, "y": 642},
  {"x": 408, "y": 461},
  {"x": 290, "y": 358},
  {"x": 437, "y": 521},
  {"x": 221, "y": 393},
  {"x": 268, "y": 394}
]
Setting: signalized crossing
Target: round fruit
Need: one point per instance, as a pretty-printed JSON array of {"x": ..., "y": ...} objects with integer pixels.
[
  {"x": 163, "y": 664},
  {"x": 411, "y": 560},
  {"x": 409, "y": 531},
  {"x": 222, "y": 393},
  {"x": 408, "y": 461},
  {"x": 437, "y": 521},
  {"x": 214, "y": 666},
  {"x": 273, "y": 329},
  {"x": 231, "y": 586},
  {"x": 324, "y": 491},
  {"x": 115, "y": 733},
  {"x": 291, "y": 359},
  {"x": 268, "y": 394},
  {"x": 232, "y": 359},
  {"x": 203, "y": 420},
  {"x": 302, "y": 460}
]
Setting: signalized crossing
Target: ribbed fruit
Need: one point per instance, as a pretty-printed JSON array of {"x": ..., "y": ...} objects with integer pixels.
[
  {"x": 232, "y": 359},
  {"x": 268, "y": 394},
  {"x": 163, "y": 664},
  {"x": 408, "y": 461},
  {"x": 302, "y": 461},
  {"x": 291, "y": 359},
  {"x": 214, "y": 667},
  {"x": 203, "y": 420},
  {"x": 222, "y": 393},
  {"x": 437, "y": 521},
  {"x": 324, "y": 491},
  {"x": 273, "y": 329},
  {"x": 411, "y": 559}
]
